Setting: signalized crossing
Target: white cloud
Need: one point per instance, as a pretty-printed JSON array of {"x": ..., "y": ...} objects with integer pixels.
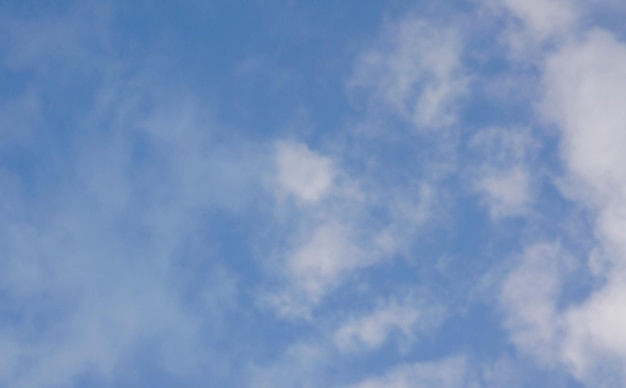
[
  {"x": 543, "y": 18},
  {"x": 327, "y": 244},
  {"x": 595, "y": 337},
  {"x": 373, "y": 329},
  {"x": 585, "y": 338},
  {"x": 584, "y": 83},
  {"x": 415, "y": 71},
  {"x": 529, "y": 297},
  {"x": 585, "y": 88},
  {"x": 356, "y": 222},
  {"x": 450, "y": 372},
  {"x": 317, "y": 265},
  {"x": 303, "y": 173},
  {"x": 535, "y": 24}
]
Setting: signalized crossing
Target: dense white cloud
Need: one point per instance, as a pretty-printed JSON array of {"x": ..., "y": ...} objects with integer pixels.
[
  {"x": 584, "y": 83},
  {"x": 595, "y": 337},
  {"x": 585, "y": 87}
]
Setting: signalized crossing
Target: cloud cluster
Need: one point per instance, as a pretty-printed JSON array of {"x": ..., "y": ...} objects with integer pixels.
[
  {"x": 583, "y": 83},
  {"x": 333, "y": 235}
]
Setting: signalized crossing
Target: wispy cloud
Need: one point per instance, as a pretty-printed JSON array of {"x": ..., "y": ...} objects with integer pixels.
[
  {"x": 92, "y": 241},
  {"x": 372, "y": 330},
  {"x": 415, "y": 71},
  {"x": 503, "y": 176},
  {"x": 444, "y": 373}
]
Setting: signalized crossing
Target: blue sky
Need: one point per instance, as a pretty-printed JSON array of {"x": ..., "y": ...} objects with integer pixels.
[{"x": 354, "y": 194}]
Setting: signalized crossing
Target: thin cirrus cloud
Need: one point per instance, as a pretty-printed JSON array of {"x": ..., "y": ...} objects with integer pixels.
[{"x": 160, "y": 226}]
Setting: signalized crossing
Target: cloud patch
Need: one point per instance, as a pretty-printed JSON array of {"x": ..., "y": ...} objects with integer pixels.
[
  {"x": 302, "y": 173},
  {"x": 446, "y": 373},
  {"x": 415, "y": 71},
  {"x": 372, "y": 329}
]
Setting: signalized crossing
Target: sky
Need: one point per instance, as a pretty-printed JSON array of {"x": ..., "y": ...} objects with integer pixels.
[{"x": 343, "y": 194}]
